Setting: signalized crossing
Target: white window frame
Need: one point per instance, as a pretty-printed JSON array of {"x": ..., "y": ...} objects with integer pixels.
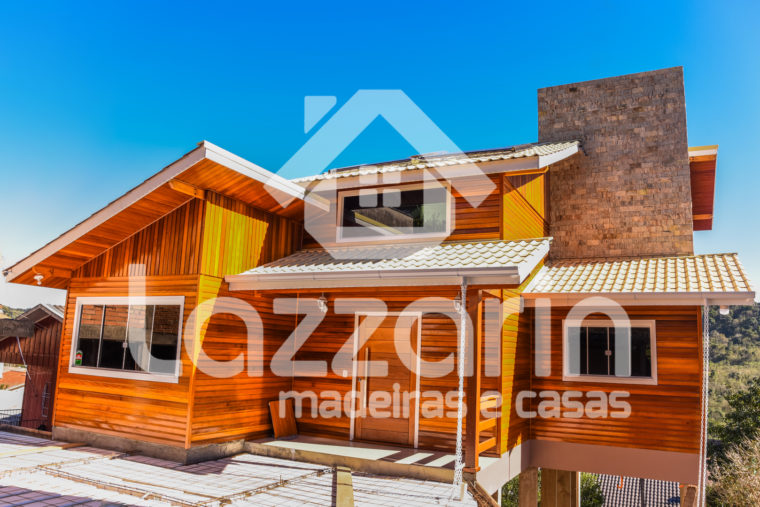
[
  {"x": 401, "y": 188},
  {"x": 121, "y": 374},
  {"x": 608, "y": 379}
]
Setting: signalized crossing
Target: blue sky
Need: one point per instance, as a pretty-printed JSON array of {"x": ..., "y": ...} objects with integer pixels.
[{"x": 94, "y": 98}]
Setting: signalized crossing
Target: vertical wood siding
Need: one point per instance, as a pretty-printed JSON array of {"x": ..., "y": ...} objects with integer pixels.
[{"x": 40, "y": 353}]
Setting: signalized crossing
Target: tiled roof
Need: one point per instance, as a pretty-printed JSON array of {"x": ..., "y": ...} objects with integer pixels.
[
  {"x": 698, "y": 273},
  {"x": 459, "y": 255},
  {"x": 660, "y": 493},
  {"x": 432, "y": 161}
]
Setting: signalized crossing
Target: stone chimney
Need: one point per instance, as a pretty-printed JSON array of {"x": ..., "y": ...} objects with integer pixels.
[{"x": 630, "y": 194}]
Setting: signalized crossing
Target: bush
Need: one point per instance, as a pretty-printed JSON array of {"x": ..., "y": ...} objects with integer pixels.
[{"x": 736, "y": 480}]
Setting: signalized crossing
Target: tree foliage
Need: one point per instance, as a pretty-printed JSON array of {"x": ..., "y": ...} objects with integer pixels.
[{"x": 736, "y": 481}]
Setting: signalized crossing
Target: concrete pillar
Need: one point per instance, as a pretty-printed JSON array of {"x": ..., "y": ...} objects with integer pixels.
[
  {"x": 529, "y": 488},
  {"x": 559, "y": 488}
]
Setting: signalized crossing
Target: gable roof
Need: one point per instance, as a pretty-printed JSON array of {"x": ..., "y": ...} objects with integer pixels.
[
  {"x": 718, "y": 278},
  {"x": 544, "y": 153},
  {"x": 503, "y": 262},
  {"x": 207, "y": 167}
]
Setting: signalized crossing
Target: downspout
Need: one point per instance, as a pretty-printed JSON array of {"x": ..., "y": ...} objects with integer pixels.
[
  {"x": 459, "y": 462},
  {"x": 705, "y": 401}
]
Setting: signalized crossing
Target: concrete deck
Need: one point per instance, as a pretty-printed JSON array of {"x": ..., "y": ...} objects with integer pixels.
[
  {"x": 35, "y": 471},
  {"x": 364, "y": 456}
]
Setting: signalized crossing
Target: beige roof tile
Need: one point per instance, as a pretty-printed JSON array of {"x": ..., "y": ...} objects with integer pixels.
[
  {"x": 453, "y": 255},
  {"x": 433, "y": 161},
  {"x": 697, "y": 273}
]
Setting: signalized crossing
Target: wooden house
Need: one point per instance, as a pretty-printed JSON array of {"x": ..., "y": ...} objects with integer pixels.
[
  {"x": 34, "y": 340},
  {"x": 242, "y": 285}
]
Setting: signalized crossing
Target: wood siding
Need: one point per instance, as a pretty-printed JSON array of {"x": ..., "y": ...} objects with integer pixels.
[
  {"x": 212, "y": 236},
  {"x": 665, "y": 416},
  {"x": 137, "y": 409},
  {"x": 238, "y": 237},
  {"x": 523, "y": 208},
  {"x": 236, "y": 407},
  {"x": 169, "y": 246},
  {"x": 40, "y": 354}
]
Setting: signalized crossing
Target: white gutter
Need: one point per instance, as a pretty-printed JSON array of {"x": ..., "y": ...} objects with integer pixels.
[
  {"x": 509, "y": 275},
  {"x": 647, "y": 298}
]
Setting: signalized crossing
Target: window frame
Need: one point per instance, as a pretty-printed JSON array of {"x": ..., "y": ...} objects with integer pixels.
[
  {"x": 608, "y": 379},
  {"x": 342, "y": 194},
  {"x": 123, "y": 374}
]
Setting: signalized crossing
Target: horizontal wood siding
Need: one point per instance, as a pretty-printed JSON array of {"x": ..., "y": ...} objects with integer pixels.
[
  {"x": 225, "y": 409},
  {"x": 137, "y": 409},
  {"x": 665, "y": 417}
]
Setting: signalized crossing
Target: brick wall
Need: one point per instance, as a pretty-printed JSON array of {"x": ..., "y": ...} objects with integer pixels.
[{"x": 630, "y": 195}]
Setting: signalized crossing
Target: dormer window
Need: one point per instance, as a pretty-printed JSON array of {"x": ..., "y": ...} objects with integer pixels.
[{"x": 414, "y": 211}]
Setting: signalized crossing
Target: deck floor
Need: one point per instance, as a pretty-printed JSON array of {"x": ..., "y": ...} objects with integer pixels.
[
  {"x": 371, "y": 451},
  {"x": 34, "y": 471}
]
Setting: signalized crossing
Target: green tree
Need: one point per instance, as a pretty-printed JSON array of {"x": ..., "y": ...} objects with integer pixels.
[
  {"x": 591, "y": 491},
  {"x": 742, "y": 422}
]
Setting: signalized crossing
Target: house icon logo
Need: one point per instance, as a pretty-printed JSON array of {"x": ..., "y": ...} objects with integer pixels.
[{"x": 345, "y": 125}]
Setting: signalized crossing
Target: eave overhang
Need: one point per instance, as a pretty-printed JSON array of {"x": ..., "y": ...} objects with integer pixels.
[
  {"x": 702, "y": 167},
  {"x": 207, "y": 167}
]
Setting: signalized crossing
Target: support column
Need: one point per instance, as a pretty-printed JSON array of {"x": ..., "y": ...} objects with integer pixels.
[
  {"x": 474, "y": 359},
  {"x": 528, "y": 492},
  {"x": 688, "y": 495},
  {"x": 559, "y": 488}
]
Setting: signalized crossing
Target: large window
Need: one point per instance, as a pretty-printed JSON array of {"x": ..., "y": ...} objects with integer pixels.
[
  {"x": 596, "y": 350},
  {"x": 411, "y": 211},
  {"x": 114, "y": 337}
]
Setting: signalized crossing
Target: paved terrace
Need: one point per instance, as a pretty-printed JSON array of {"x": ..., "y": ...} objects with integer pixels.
[{"x": 35, "y": 471}]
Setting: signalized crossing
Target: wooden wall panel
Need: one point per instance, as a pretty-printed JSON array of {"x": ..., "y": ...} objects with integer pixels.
[
  {"x": 520, "y": 219},
  {"x": 238, "y": 237},
  {"x": 665, "y": 416},
  {"x": 515, "y": 364},
  {"x": 169, "y": 246},
  {"x": 40, "y": 353},
  {"x": 137, "y": 409},
  {"x": 236, "y": 407}
]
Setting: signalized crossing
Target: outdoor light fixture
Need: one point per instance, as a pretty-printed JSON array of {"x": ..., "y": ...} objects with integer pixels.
[
  {"x": 38, "y": 278},
  {"x": 723, "y": 310},
  {"x": 322, "y": 304}
]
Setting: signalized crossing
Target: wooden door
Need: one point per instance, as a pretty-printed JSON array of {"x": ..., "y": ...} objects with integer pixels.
[{"x": 387, "y": 405}]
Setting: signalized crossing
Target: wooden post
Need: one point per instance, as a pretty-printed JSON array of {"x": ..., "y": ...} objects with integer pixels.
[
  {"x": 472, "y": 436},
  {"x": 548, "y": 487},
  {"x": 688, "y": 495},
  {"x": 575, "y": 490},
  {"x": 528, "y": 489}
]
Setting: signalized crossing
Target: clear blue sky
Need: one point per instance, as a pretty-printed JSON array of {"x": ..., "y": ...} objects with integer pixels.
[{"x": 94, "y": 98}]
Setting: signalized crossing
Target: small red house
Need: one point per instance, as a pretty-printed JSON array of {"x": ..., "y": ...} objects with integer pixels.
[{"x": 35, "y": 344}]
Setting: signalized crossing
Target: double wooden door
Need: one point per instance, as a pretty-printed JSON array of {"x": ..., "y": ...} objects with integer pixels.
[{"x": 387, "y": 400}]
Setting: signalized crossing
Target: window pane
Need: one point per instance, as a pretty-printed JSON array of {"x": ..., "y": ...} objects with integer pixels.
[
  {"x": 114, "y": 336},
  {"x": 393, "y": 213},
  {"x": 641, "y": 352},
  {"x": 90, "y": 320},
  {"x": 575, "y": 350},
  {"x": 598, "y": 363},
  {"x": 165, "y": 338},
  {"x": 139, "y": 336}
]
